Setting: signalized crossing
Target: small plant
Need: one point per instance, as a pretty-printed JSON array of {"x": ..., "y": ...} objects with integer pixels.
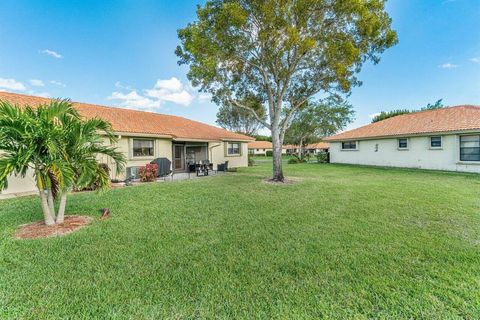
[
  {"x": 269, "y": 153},
  {"x": 322, "y": 157},
  {"x": 148, "y": 173}
]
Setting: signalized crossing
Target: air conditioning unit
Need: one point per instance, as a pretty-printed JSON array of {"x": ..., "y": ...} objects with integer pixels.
[{"x": 133, "y": 173}]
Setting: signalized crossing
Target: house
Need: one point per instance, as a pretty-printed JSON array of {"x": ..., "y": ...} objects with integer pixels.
[
  {"x": 145, "y": 136},
  {"x": 261, "y": 147},
  {"x": 312, "y": 148},
  {"x": 441, "y": 139}
]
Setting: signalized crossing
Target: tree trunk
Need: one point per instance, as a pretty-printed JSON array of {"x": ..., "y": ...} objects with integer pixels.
[
  {"x": 277, "y": 158},
  {"x": 300, "y": 150},
  {"x": 51, "y": 203},
  {"x": 61, "y": 209},
  {"x": 47, "y": 216}
]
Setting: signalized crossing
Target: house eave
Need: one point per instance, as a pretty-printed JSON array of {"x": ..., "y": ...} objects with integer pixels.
[{"x": 393, "y": 136}]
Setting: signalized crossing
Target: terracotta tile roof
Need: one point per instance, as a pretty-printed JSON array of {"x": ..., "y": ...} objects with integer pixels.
[
  {"x": 318, "y": 145},
  {"x": 260, "y": 145},
  {"x": 139, "y": 122},
  {"x": 451, "y": 119}
]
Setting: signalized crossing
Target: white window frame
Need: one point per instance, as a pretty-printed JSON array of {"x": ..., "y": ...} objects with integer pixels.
[
  {"x": 398, "y": 144},
  {"x": 459, "y": 144},
  {"x": 430, "y": 143},
  {"x": 349, "y": 149},
  {"x": 133, "y": 156},
  {"x": 233, "y": 154}
]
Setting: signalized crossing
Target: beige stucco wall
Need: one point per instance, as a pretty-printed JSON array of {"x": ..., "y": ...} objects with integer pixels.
[
  {"x": 418, "y": 155},
  {"x": 218, "y": 155},
  {"x": 18, "y": 185},
  {"x": 162, "y": 149}
]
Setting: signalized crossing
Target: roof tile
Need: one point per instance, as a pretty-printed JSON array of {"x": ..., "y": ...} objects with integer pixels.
[
  {"x": 451, "y": 119},
  {"x": 139, "y": 122}
]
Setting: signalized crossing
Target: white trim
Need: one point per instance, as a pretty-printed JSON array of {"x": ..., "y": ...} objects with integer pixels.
[
  {"x": 406, "y": 135},
  {"x": 430, "y": 142},
  {"x": 356, "y": 145},
  {"x": 403, "y": 149},
  {"x": 130, "y": 153}
]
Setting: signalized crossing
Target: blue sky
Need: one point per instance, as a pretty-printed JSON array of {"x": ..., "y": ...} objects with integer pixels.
[{"x": 121, "y": 53}]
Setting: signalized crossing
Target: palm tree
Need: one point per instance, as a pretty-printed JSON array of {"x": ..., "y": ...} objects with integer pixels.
[
  {"x": 31, "y": 141},
  {"x": 84, "y": 142},
  {"x": 52, "y": 141}
]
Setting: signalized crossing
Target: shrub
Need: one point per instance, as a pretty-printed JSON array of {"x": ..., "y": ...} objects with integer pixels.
[
  {"x": 293, "y": 161},
  {"x": 148, "y": 173},
  {"x": 269, "y": 153},
  {"x": 251, "y": 162},
  {"x": 322, "y": 157}
]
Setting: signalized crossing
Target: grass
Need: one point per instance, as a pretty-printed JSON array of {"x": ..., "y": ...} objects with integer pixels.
[{"x": 345, "y": 242}]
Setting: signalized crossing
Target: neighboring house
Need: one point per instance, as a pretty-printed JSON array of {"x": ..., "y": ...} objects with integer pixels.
[
  {"x": 312, "y": 148},
  {"x": 441, "y": 139},
  {"x": 145, "y": 136},
  {"x": 261, "y": 147},
  {"x": 315, "y": 148}
]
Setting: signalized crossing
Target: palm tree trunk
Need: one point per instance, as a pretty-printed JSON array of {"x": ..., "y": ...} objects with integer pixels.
[
  {"x": 47, "y": 216},
  {"x": 51, "y": 203},
  {"x": 61, "y": 209}
]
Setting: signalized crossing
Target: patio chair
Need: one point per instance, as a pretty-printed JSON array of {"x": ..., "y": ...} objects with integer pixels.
[{"x": 223, "y": 166}]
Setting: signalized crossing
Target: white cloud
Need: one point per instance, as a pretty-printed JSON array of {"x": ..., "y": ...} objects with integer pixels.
[
  {"x": 170, "y": 90},
  {"x": 11, "y": 84},
  {"x": 448, "y": 66},
  {"x": 133, "y": 100},
  {"x": 164, "y": 90},
  {"x": 52, "y": 53},
  {"x": 39, "y": 94},
  {"x": 374, "y": 115},
  {"x": 37, "y": 83},
  {"x": 58, "y": 83},
  {"x": 476, "y": 60}
]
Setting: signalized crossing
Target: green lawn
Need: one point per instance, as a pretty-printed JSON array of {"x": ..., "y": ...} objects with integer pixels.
[{"x": 345, "y": 242}]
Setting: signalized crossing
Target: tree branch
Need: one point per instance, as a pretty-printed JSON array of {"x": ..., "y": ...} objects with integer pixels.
[{"x": 252, "y": 111}]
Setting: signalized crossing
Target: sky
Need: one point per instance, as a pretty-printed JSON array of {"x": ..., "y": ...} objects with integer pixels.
[{"x": 121, "y": 53}]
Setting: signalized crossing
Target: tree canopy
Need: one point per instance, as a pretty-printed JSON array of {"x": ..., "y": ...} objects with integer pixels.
[
  {"x": 317, "y": 120},
  {"x": 282, "y": 52}
]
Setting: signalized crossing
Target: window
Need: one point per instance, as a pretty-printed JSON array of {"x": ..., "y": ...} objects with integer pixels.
[
  {"x": 349, "y": 145},
  {"x": 233, "y": 148},
  {"x": 142, "y": 148},
  {"x": 470, "y": 148},
  {"x": 403, "y": 143},
  {"x": 435, "y": 142}
]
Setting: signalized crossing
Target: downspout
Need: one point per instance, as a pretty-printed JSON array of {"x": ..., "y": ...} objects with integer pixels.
[{"x": 210, "y": 150}]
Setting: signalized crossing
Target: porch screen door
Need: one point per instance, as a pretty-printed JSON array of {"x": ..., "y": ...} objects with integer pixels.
[{"x": 178, "y": 158}]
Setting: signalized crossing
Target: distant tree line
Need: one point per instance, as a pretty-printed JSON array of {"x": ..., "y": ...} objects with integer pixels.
[{"x": 389, "y": 114}]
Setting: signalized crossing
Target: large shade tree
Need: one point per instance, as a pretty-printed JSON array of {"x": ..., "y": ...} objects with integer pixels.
[
  {"x": 53, "y": 143},
  {"x": 318, "y": 120},
  {"x": 283, "y": 52}
]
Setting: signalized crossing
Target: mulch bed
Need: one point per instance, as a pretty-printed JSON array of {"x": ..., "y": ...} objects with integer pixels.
[
  {"x": 286, "y": 181},
  {"x": 40, "y": 230}
]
